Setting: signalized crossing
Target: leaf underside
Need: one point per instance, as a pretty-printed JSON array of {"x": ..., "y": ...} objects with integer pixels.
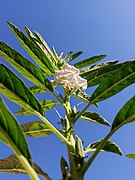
[
  {"x": 46, "y": 105},
  {"x": 94, "y": 117},
  {"x": 12, "y": 165},
  {"x": 110, "y": 146},
  {"x": 36, "y": 129}
]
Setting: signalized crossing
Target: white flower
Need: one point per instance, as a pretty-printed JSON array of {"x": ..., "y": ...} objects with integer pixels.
[{"x": 69, "y": 76}]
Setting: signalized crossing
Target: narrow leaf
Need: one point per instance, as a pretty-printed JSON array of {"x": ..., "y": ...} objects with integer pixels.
[
  {"x": 89, "y": 61},
  {"x": 80, "y": 94},
  {"x": 15, "y": 90},
  {"x": 30, "y": 34},
  {"x": 132, "y": 156},
  {"x": 12, "y": 165},
  {"x": 36, "y": 129},
  {"x": 44, "y": 46},
  {"x": 35, "y": 52},
  {"x": 87, "y": 71},
  {"x": 56, "y": 55},
  {"x": 46, "y": 105},
  {"x": 10, "y": 129},
  {"x": 73, "y": 56},
  {"x": 65, "y": 170},
  {"x": 110, "y": 146},
  {"x": 67, "y": 54},
  {"x": 94, "y": 117},
  {"x": 115, "y": 82},
  {"x": 37, "y": 89},
  {"x": 24, "y": 66},
  {"x": 96, "y": 77},
  {"x": 125, "y": 115},
  {"x": 41, "y": 89}
]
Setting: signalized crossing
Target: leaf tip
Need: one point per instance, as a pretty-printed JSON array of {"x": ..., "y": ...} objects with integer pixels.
[{"x": 131, "y": 156}]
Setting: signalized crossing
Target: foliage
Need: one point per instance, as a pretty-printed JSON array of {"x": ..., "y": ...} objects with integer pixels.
[{"x": 109, "y": 78}]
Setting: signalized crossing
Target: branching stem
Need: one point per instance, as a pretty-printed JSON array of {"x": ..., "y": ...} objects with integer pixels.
[
  {"x": 53, "y": 129},
  {"x": 81, "y": 113}
]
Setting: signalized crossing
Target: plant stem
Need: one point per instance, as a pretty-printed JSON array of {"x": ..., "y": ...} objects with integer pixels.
[
  {"x": 33, "y": 175},
  {"x": 80, "y": 114},
  {"x": 53, "y": 94},
  {"x": 53, "y": 129},
  {"x": 27, "y": 166},
  {"x": 76, "y": 174},
  {"x": 91, "y": 159}
]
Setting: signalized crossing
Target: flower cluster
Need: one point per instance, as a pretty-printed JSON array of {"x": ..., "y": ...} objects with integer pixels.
[{"x": 69, "y": 76}]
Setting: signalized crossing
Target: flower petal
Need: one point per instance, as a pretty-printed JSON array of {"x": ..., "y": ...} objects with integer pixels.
[{"x": 69, "y": 76}]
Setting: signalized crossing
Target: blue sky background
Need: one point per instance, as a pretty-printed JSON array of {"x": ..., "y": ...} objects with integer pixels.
[{"x": 95, "y": 27}]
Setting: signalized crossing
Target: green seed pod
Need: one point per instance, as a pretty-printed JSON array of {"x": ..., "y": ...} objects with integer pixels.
[{"x": 79, "y": 148}]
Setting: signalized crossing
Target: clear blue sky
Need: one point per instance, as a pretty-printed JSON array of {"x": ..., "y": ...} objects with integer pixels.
[{"x": 95, "y": 27}]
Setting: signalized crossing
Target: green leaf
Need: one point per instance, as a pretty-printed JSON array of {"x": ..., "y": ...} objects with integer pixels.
[
  {"x": 40, "y": 89},
  {"x": 35, "y": 52},
  {"x": 15, "y": 90},
  {"x": 37, "y": 89},
  {"x": 44, "y": 46},
  {"x": 46, "y": 104},
  {"x": 95, "y": 118},
  {"x": 115, "y": 82},
  {"x": 110, "y": 146},
  {"x": 67, "y": 54},
  {"x": 73, "y": 56},
  {"x": 125, "y": 115},
  {"x": 36, "y": 129},
  {"x": 38, "y": 40},
  {"x": 89, "y": 61},
  {"x": 66, "y": 174},
  {"x": 12, "y": 165},
  {"x": 80, "y": 94},
  {"x": 96, "y": 73},
  {"x": 30, "y": 35},
  {"x": 96, "y": 77},
  {"x": 92, "y": 71},
  {"x": 24, "y": 66},
  {"x": 12, "y": 133},
  {"x": 132, "y": 156},
  {"x": 56, "y": 55}
]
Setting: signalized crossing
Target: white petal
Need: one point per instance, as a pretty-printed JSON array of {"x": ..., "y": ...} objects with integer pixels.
[
  {"x": 72, "y": 69},
  {"x": 69, "y": 75},
  {"x": 81, "y": 82}
]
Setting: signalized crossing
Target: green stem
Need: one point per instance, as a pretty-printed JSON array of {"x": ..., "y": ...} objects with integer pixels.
[
  {"x": 27, "y": 166},
  {"x": 54, "y": 95},
  {"x": 80, "y": 114},
  {"x": 53, "y": 129},
  {"x": 33, "y": 175},
  {"x": 92, "y": 158},
  {"x": 51, "y": 92},
  {"x": 75, "y": 172},
  {"x": 71, "y": 149}
]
